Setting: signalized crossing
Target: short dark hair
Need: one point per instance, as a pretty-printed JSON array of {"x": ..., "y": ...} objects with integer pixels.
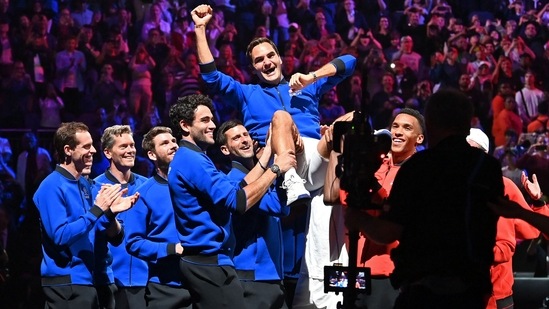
[
  {"x": 66, "y": 135},
  {"x": 147, "y": 144},
  {"x": 504, "y": 85},
  {"x": 220, "y": 137},
  {"x": 531, "y": 72},
  {"x": 185, "y": 108},
  {"x": 414, "y": 113},
  {"x": 256, "y": 42},
  {"x": 451, "y": 110}
]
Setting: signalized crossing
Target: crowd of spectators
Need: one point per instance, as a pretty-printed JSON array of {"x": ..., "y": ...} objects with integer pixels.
[{"x": 126, "y": 62}]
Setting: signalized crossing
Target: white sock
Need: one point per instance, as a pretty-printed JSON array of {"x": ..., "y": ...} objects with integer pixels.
[{"x": 289, "y": 173}]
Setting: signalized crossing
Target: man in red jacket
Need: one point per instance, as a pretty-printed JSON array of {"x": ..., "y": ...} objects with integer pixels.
[
  {"x": 407, "y": 130},
  {"x": 508, "y": 230}
]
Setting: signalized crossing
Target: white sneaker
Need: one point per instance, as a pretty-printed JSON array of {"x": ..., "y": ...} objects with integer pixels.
[{"x": 295, "y": 190}]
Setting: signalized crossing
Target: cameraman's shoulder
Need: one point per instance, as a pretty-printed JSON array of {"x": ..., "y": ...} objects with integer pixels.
[{"x": 418, "y": 162}]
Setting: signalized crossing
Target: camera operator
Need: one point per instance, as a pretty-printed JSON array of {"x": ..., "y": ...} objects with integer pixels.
[
  {"x": 407, "y": 132},
  {"x": 438, "y": 212}
]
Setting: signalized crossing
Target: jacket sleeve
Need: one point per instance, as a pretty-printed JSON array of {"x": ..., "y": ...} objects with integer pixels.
[
  {"x": 273, "y": 203},
  {"x": 505, "y": 241},
  {"x": 523, "y": 230},
  {"x": 56, "y": 212},
  {"x": 345, "y": 67},
  {"x": 219, "y": 83}
]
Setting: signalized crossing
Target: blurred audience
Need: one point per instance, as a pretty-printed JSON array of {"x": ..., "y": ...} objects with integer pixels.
[{"x": 116, "y": 62}]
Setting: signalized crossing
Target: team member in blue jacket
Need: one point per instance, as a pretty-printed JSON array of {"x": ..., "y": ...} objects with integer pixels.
[
  {"x": 70, "y": 217},
  {"x": 290, "y": 108},
  {"x": 150, "y": 227},
  {"x": 128, "y": 273},
  {"x": 258, "y": 251},
  {"x": 203, "y": 199}
]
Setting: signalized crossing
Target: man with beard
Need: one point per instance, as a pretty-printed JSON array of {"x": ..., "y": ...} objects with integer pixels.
[
  {"x": 258, "y": 233},
  {"x": 70, "y": 220},
  {"x": 204, "y": 199},
  {"x": 290, "y": 108},
  {"x": 127, "y": 272},
  {"x": 150, "y": 227}
]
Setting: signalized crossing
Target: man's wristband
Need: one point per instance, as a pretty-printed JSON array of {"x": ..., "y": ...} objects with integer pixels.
[
  {"x": 261, "y": 165},
  {"x": 109, "y": 214}
]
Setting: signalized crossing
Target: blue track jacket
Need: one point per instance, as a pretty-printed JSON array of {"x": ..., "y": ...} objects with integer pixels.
[
  {"x": 203, "y": 199},
  {"x": 258, "y": 251},
  {"x": 128, "y": 270},
  {"x": 69, "y": 227},
  {"x": 151, "y": 234}
]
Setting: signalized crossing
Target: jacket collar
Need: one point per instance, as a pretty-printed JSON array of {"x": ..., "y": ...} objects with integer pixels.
[
  {"x": 189, "y": 145},
  {"x": 160, "y": 179},
  {"x": 113, "y": 179},
  {"x": 240, "y": 167}
]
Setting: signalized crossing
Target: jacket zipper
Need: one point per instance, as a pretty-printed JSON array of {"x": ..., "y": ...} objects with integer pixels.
[{"x": 280, "y": 96}]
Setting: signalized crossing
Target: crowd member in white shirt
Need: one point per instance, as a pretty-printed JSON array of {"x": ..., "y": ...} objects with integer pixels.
[{"x": 528, "y": 98}]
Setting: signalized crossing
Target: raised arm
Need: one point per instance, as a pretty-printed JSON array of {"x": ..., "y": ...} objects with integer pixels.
[
  {"x": 201, "y": 16},
  {"x": 342, "y": 67},
  {"x": 509, "y": 209}
]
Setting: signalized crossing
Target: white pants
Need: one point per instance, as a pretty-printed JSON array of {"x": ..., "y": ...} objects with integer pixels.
[{"x": 311, "y": 166}]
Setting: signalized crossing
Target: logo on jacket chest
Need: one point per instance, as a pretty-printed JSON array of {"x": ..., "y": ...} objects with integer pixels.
[{"x": 85, "y": 193}]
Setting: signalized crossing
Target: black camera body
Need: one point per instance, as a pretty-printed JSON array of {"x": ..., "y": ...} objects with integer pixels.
[
  {"x": 362, "y": 154},
  {"x": 336, "y": 279}
]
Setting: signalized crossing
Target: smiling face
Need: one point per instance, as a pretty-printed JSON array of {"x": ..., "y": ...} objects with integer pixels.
[
  {"x": 202, "y": 128},
  {"x": 239, "y": 143},
  {"x": 122, "y": 153},
  {"x": 267, "y": 63},
  {"x": 406, "y": 134},
  {"x": 81, "y": 157}
]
